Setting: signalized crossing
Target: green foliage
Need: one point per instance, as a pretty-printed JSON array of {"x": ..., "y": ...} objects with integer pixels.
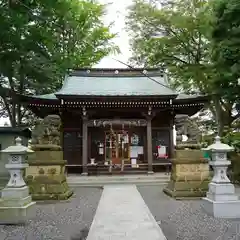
[
  {"x": 208, "y": 139},
  {"x": 234, "y": 169},
  {"x": 174, "y": 38},
  {"x": 230, "y": 138},
  {"x": 226, "y": 48},
  {"x": 41, "y": 39},
  {"x": 178, "y": 37},
  {"x": 233, "y": 139}
]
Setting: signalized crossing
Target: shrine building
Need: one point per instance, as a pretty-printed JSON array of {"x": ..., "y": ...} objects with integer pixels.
[{"x": 121, "y": 118}]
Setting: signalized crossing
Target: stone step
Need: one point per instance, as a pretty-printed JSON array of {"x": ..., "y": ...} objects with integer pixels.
[
  {"x": 104, "y": 170},
  {"x": 106, "y": 180},
  {"x": 101, "y": 184},
  {"x": 117, "y": 172}
]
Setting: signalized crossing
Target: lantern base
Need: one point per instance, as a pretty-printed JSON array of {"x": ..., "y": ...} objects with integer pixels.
[
  {"x": 221, "y": 192},
  {"x": 222, "y": 209},
  {"x": 221, "y": 201},
  {"x": 16, "y": 206},
  {"x": 17, "y": 215}
]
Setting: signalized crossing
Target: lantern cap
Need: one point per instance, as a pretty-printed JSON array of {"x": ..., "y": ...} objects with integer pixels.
[
  {"x": 218, "y": 146},
  {"x": 18, "y": 148}
]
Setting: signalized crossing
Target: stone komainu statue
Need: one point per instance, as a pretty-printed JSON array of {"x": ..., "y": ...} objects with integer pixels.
[
  {"x": 47, "y": 131},
  {"x": 186, "y": 126}
]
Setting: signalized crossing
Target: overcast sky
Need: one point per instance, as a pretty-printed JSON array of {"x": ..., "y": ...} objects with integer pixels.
[{"x": 116, "y": 12}]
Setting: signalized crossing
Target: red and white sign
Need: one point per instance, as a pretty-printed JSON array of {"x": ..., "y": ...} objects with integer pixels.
[{"x": 162, "y": 152}]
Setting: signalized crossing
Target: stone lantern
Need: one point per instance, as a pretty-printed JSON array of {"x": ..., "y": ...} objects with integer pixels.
[
  {"x": 16, "y": 204},
  {"x": 221, "y": 200}
]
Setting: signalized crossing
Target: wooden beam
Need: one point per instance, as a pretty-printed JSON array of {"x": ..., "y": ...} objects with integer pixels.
[{"x": 110, "y": 122}]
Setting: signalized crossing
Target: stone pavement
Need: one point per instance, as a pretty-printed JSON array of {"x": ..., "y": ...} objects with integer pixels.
[{"x": 123, "y": 214}]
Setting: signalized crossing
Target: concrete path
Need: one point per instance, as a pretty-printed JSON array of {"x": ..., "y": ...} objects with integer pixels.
[{"x": 123, "y": 214}]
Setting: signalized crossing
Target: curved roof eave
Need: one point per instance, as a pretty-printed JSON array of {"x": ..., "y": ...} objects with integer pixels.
[{"x": 183, "y": 98}]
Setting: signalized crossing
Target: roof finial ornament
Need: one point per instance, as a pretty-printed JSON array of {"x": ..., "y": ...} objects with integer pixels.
[
  {"x": 84, "y": 111},
  {"x": 149, "y": 110},
  {"x": 18, "y": 141},
  {"x": 217, "y": 139},
  {"x": 116, "y": 71}
]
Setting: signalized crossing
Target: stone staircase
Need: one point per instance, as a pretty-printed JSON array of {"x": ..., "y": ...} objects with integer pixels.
[
  {"x": 100, "y": 181},
  {"x": 116, "y": 170}
]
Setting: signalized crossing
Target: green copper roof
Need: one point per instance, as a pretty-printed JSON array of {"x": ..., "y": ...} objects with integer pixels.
[
  {"x": 50, "y": 96},
  {"x": 122, "y": 83},
  {"x": 183, "y": 96}
]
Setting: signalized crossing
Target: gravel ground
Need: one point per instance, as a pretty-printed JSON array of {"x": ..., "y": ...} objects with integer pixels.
[
  {"x": 185, "y": 220},
  {"x": 58, "y": 221}
]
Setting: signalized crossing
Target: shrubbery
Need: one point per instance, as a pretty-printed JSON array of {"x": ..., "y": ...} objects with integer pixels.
[{"x": 233, "y": 139}]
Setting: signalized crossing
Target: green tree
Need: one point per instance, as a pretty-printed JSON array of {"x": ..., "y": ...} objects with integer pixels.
[
  {"x": 40, "y": 40},
  {"x": 177, "y": 37},
  {"x": 226, "y": 49}
]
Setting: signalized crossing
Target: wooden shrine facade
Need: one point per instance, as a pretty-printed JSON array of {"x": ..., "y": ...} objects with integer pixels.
[
  {"x": 116, "y": 117},
  {"x": 114, "y": 139}
]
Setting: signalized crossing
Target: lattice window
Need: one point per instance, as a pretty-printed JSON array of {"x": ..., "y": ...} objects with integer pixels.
[
  {"x": 15, "y": 158},
  {"x": 221, "y": 156}
]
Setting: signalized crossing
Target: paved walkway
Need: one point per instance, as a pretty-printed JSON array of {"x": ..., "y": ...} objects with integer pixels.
[{"x": 123, "y": 214}]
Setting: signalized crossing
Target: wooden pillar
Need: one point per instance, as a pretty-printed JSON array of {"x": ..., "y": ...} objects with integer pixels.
[
  {"x": 149, "y": 145},
  {"x": 149, "y": 116},
  {"x": 84, "y": 144},
  {"x": 171, "y": 142}
]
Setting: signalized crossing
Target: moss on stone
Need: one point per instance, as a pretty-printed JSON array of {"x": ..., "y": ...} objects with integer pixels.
[
  {"x": 46, "y": 147},
  {"x": 189, "y": 175},
  {"x": 49, "y": 188},
  {"x": 50, "y": 155},
  {"x": 189, "y": 161},
  {"x": 48, "y": 183},
  {"x": 51, "y": 196},
  {"x": 181, "y": 195},
  {"x": 46, "y": 163},
  {"x": 189, "y": 154}
]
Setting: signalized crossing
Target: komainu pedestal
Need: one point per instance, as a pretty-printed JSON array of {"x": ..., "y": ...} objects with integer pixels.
[
  {"x": 189, "y": 176},
  {"x": 45, "y": 174}
]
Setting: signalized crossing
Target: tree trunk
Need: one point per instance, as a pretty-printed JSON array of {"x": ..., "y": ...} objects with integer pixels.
[{"x": 223, "y": 116}]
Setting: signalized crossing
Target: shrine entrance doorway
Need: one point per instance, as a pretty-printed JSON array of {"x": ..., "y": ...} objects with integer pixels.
[{"x": 117, "y": 147}]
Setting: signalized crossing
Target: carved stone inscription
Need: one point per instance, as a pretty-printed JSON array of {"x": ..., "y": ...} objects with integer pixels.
[{"x": 192, "y": 171}]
